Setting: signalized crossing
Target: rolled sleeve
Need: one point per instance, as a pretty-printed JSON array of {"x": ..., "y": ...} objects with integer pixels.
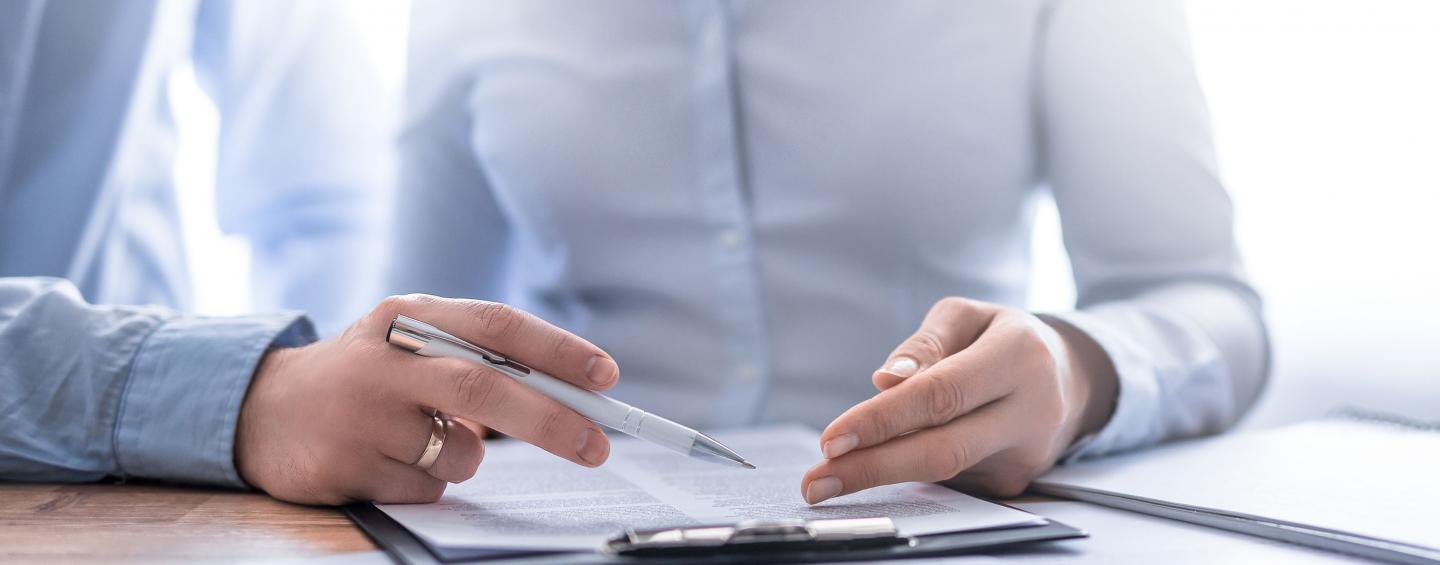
[
  {"x": 1139, "y": 391},
  {"x": 1173, "y": 381},
  {"x": 182, "y": 398}
]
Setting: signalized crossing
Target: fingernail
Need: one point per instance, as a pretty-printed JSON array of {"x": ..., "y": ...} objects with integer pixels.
[
  {"x": 840, "y": 445},
  {"x": 601, "y": 370},
  {"x": 592, "y": 448},
  {"x": 822, "y": 489},
  {"x": 902, "y": 367}
]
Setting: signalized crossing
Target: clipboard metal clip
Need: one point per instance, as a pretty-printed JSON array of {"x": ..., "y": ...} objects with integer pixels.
[{"x": 759, "y": 535}]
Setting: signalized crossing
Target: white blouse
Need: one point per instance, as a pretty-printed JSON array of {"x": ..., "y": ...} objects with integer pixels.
[{"x": 749, "y": 204}]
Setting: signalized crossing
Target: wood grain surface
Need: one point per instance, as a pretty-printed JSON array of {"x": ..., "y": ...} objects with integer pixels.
[{"x": 151, "y": 523}]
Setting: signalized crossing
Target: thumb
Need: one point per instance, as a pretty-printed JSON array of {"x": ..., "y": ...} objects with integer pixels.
[{"x": 952, "y": 325}]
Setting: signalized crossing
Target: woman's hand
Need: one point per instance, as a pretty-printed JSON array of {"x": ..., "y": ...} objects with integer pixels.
[
  {"x": 983, "y": 396},
  {"x": 345, "y": 419}
]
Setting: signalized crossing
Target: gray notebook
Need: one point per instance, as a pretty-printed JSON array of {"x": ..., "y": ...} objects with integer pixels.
[{"x": 1360, "y": 484}]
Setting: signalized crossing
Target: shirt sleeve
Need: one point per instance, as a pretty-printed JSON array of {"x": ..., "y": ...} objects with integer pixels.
[
  {"x": 304, "y": 151},
  {"x": 1147, "y": 225},
  {"x": 91, "y": 391}
]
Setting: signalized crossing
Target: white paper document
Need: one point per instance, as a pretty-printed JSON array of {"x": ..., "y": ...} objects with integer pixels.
[{"x": 525, "y": 498}]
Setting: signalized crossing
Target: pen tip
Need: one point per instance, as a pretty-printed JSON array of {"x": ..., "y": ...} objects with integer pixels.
[{"x": 747, "y": 465}]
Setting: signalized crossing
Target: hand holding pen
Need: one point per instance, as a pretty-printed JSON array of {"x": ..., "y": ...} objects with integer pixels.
[
  {"x": 430, "y": 341},
  {"x": 353, "y": 418}
]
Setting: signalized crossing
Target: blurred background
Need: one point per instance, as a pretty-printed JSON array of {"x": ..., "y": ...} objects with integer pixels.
[{"x": 1327, "y": 124}]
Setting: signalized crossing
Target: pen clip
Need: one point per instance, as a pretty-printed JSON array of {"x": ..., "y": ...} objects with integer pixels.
[{"x": 414, "y": 334}]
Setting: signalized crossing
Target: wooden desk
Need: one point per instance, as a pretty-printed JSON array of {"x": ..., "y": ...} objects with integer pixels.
[{"x": 149, "y": 523}]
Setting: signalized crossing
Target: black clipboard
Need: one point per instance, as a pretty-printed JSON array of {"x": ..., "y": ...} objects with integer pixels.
[{"x": 406, "y": 548}]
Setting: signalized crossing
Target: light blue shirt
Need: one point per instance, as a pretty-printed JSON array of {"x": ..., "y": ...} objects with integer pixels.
[
  {"x": 749, "y": 204},
  {"x": 86, "y": 156}
]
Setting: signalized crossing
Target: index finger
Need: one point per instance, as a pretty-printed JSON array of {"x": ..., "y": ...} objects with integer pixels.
[{"x": 513, "y": 333}]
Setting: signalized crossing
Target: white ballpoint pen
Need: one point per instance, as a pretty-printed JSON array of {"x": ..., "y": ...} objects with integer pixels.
[{"x": 430, "y": 341}]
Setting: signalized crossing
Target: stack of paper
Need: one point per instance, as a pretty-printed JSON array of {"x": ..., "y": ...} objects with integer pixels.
[
  {"x": 524, "y": 498},
  {"x": 1365, "y": 487}
]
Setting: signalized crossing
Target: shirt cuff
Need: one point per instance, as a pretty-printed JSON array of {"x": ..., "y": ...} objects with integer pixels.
[
  {"x": 1132, "y": 423},
  {"x": 183, "y": 395}
]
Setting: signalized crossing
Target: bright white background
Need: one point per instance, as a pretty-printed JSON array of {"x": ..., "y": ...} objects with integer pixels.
[
  {"x": 1327, "y": 115},
  {"x": 1327, "y": 120}
]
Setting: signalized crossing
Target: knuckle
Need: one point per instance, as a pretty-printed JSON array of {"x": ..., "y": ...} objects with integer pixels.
[
  {"x": 1035, "y": 347},
  {"x": 945, "y": 462},
  {"x": 423, "y": 299},
  {"x": 561, "y": 345},
  {"x": 926, "y": 346},
  {"x": 386, "y": 310},
  {"x": 398, "y": 303},
  {"x": 476, "y": 387},
  {"x": 951, "y": 306},
  {"x": 550, "y": 424},
  {"x": 1028, "y": 335},
  {"x": 497, "y": 320},
  {"x": 877, "y": 427},
  {"x": 946, "y": 400},
  {"x": 395, "y": 305},
  {"x": 863, "y": 477},
  {"x": 391, "y": 304}
]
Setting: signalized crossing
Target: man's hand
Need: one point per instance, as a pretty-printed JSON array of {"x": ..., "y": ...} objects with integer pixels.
[
  {"x": 983, "y": 396},
  {"x": 344, "y": 419}
]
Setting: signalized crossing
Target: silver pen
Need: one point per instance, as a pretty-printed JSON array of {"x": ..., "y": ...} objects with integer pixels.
[{"x": 430, "y": 341}]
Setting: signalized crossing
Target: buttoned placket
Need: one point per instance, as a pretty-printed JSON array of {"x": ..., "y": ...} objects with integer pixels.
[{"x": 720, "y": 177}]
